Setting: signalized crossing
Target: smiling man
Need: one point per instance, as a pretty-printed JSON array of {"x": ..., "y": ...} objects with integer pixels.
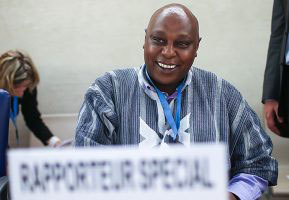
[{"x": 167, "y": 100}]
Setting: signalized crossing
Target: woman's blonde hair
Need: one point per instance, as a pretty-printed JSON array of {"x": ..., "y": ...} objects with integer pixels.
[{"x": 16, "y": 67}]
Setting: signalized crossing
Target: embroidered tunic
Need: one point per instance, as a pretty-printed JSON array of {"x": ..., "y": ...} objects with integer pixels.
[{"x": 120, "y": 109}]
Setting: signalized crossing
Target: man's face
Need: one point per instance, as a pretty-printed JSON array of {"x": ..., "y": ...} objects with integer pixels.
[{"x": 170, "y": 49}]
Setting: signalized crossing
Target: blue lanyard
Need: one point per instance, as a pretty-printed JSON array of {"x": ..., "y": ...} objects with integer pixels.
[
  {"x": 13, "y": 116},
  {"x": 175, "y": 125}
]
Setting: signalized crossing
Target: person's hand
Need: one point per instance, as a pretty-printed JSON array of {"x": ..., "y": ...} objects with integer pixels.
[
  {"x": 271, "y": 113},
  {"x": 232, "y": 197},
  {"x": 54, "y": 142},
  {"x": 57, "y": 144}
]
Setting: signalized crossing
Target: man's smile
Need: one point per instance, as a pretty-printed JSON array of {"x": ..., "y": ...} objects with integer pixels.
[{"x": 166, "y": 66}]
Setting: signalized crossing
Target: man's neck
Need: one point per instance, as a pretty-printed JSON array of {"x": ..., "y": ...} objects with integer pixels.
[{"x": 169, "y": 89}]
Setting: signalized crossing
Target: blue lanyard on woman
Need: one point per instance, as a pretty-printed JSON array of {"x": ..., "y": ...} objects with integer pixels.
[
  {"x": 175, "y": 125},
  {"x": 13, "y": 116}
]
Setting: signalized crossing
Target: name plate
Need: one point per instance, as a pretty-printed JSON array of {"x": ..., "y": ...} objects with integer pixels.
[{"x": 122, "y": 173}]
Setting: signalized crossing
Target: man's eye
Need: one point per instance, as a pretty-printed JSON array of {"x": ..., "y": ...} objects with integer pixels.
[
  {"x": 183, "y": 44},
  {"x": 158, "y": 40}
]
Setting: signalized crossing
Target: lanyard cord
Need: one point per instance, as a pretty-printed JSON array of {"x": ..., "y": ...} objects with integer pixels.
[
  {"x": 13, "y": 117},
  {"x": 175, "y": 125}
]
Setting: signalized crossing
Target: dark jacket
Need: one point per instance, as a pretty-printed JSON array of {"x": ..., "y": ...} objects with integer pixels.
[
  {"x": 276, "y": 51},
  {"x": 276, "y": 77},
  {"x": 32, "y": 116}
]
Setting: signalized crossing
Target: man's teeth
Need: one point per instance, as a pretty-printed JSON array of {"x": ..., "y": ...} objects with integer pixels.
[{"x": 167, "y": 66}]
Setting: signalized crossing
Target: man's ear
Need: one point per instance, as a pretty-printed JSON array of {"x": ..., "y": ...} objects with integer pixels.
[
  {"x": 145, "y": 37},
  {"x": 198, "y": 43},
  {"x": 145, "y": 33},
  {"x": 197, "y": 46}
]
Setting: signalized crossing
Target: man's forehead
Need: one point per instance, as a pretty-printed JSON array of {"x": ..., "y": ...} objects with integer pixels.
[
  {"x": 177, "y": 11},
  {"x": 173, "y": 11}
]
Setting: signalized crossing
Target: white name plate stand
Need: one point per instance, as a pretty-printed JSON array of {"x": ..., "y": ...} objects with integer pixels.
[{"x": 119, "y": 173}]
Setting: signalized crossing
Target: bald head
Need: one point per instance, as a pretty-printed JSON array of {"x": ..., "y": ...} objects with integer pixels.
[{"x": 179, "y": 12}]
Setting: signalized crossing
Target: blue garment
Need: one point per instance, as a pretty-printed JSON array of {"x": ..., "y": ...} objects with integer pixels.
[
  {"x": 4, "y": 128},
  {"x": 13, "y": 117},
  {"x": 120, "y": 109}
]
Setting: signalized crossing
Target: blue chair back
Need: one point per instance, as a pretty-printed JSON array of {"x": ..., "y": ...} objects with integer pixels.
[{"x": 4, "y": 128}]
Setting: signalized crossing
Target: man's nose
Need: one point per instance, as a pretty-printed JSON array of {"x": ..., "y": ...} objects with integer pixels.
[{"x": 169, "y": 51}]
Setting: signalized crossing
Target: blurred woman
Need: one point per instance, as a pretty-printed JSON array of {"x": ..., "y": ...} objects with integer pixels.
[{"x": 19, "y": 77}]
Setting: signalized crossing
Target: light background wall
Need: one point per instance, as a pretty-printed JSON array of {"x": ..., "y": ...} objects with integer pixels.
[{"x": 72, "y": 42}]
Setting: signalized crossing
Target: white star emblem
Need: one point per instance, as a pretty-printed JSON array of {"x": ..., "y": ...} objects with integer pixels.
[{"x": 151, "y": 138}]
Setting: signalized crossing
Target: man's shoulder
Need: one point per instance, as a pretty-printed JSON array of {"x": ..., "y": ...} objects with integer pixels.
[
  {"x": 202, "y": 73},
  {"x": 205, "y": 77},
  {"x": 111, "y": 80},
  {"x": 126, "y": 73},
  {"x": 210, "y": 79}
]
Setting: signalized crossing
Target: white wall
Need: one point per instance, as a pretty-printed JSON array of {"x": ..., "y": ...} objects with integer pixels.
[{"x": 72, "y": 42}]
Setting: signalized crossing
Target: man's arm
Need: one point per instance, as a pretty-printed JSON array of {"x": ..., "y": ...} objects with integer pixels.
[
  {"x": 90, "y": 130},
  {"x": 97, "y": 120},
  {"x": 249, "y": 146},
  {"x": 247, "y": 186}
]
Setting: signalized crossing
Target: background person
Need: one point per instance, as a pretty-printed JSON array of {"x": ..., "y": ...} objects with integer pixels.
[
  {"x": 276, "y": 77},
  {"x": 19, "y": 77}
]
